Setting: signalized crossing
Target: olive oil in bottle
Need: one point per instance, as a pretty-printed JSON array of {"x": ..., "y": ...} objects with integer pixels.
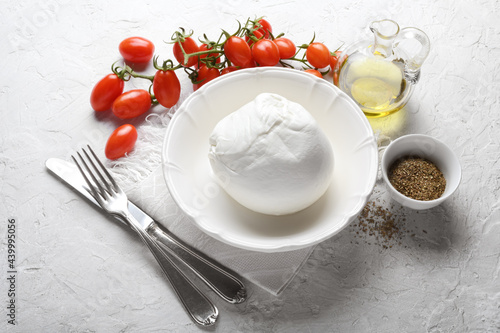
[{"x": 377, "y": 85}]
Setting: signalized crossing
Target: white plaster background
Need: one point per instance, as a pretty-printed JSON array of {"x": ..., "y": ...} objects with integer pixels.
[{"x": 72, "y": 261}]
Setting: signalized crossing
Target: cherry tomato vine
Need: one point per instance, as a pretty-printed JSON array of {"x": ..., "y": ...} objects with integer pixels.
[{"x": 252, "y": 44}]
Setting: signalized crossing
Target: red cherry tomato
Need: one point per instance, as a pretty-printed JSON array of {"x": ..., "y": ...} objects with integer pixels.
[
  {"x": 257, "y": 35},
  {"x": 318, "y": 55},
  {"x": 286, "y": 46},
  {"x": 266, "y": 53},
  {"x": 167, "y": 88},
  {"x": 105, "y": 92},
  {"x": 314, "y": 72},
  {"x": 121, "y": 142},
  {"x": 136, "y": 49},
  {"x": 228, "y": 69},
  {"x": 238, "y": 52},
  {"x": 334, "y": 59},
  {"x": 131, "y": 104},
  {"x": 204, "y": 47},
  {"x": 189, "y": 45},
  {"x": 265, "y": 29},
  {"x": 205, "y": 75}
]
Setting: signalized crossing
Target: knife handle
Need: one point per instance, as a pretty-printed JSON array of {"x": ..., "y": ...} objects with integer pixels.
[{"x": 220, "y": 279}]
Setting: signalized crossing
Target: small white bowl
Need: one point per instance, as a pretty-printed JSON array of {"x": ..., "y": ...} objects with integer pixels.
[{"x": 431, "y": 149}]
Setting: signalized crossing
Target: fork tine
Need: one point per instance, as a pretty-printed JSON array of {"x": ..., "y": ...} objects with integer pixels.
[
  {"x": 87, "y": 180},
  {"x": 99, "y": 173},
  {"x": 115, "y": 186},
  {"x": 96, "y": 184}
]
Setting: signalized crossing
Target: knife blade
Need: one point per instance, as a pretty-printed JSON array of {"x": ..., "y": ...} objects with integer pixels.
[{"x": 223, "y": 281}]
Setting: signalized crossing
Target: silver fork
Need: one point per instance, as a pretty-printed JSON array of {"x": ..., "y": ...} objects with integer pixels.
[{"x": 112, "y": 199}]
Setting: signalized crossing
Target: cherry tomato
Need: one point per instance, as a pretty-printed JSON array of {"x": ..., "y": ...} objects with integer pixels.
[
  {"x": 132, "y": 103},
  {"x": 265, "y": 29},
  {"x": 318, "y": 55},
  {"x": 189, "y": 45},
  {"x": 238, "y": 52},
  {"x": 228, "y": 69},
  {"x": 121, "y": 142},
  {"x": 286, "y": 46},
  {"x": 266, "y": 53},
  {"x": 314, "y": 72},
  {"x": 105, "y": 92},
  {"x": 334, "y": 59},
  {"x": 136, "y": 49},
  {"x": 204, "y": 47},
  {"x": 167, "y": 88},
  {"x": 257, "y": 35},
  {"x": 205, "y": 75}
]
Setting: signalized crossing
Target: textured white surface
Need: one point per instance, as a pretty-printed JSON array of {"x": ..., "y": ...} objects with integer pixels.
[{"x": 71, "y": 261}]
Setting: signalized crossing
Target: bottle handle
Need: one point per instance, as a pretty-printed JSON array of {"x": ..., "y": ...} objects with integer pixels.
[{"x": 412, "y": 67}]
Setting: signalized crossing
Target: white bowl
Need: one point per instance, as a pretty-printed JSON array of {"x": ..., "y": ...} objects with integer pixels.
[
  {"x": 425, "y": 147},
  {"x": 187, "y": 169}
]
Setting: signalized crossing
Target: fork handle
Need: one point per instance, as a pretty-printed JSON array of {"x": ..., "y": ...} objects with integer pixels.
[
  {"x": 219, "y": 278},
  {"x": 198, "y": 306}
]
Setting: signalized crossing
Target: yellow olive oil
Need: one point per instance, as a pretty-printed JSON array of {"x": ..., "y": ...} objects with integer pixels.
[{"x": 377, "y": 85}]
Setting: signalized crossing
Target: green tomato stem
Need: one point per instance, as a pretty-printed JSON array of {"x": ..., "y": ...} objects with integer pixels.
[{"x": 137, "y": 75}]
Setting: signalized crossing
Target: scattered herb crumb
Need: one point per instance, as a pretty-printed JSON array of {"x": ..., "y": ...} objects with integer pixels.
[{"x": 380, "y": 225}]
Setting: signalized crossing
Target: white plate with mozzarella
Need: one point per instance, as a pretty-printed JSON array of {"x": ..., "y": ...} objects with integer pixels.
[{"x": 188, "y": 175}]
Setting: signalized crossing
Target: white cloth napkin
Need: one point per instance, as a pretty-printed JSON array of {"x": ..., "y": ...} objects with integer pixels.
[{"x": 270, "y": 271}]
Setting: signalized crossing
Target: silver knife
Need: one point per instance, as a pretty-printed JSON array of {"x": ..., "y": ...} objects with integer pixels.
[{"x": 223, "y": 281}]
